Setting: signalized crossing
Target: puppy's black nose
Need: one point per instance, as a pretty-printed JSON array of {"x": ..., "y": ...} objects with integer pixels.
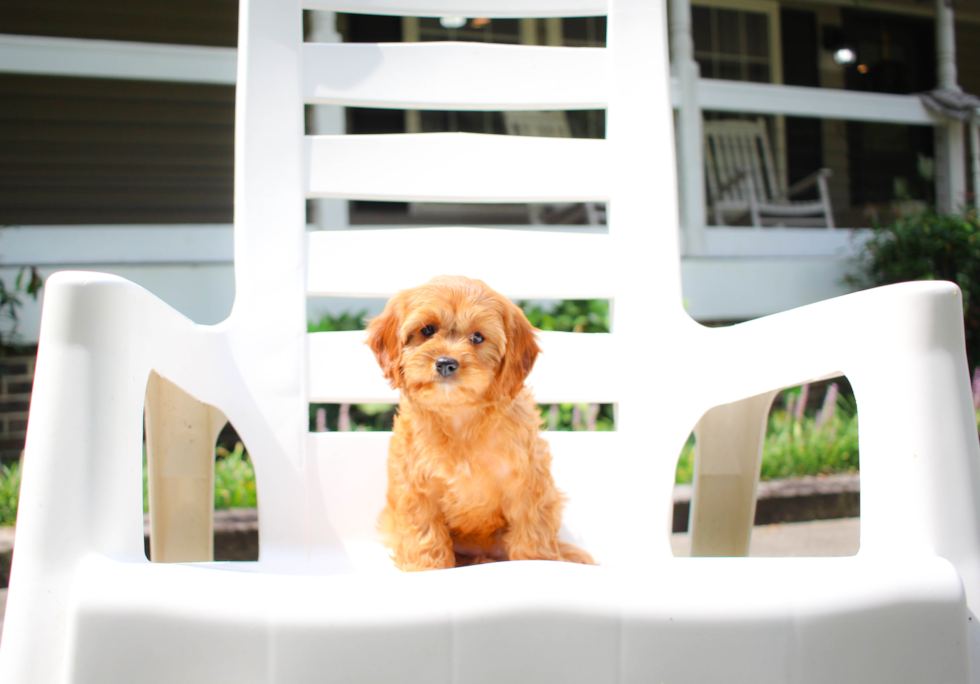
[{"x": 446, "y": 366}]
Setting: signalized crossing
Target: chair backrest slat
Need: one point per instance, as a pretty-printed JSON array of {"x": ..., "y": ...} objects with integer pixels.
[
  {"x": 579, "y": 266},
  {"x": 342, "y": 369},
  {"x": 457, "y": 167},
  {"x": 775, "y": 187},
  {"x": 461, "y": 76},
  {"x": 492, "y": 9}
]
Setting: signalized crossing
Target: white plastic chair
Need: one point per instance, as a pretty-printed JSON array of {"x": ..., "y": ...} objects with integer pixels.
[
  {"x": 742, "y": 179},
  {"x": 322, "y": 603}
]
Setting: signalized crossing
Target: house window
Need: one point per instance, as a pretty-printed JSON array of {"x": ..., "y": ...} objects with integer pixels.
[{"x": 732, "y": 44}]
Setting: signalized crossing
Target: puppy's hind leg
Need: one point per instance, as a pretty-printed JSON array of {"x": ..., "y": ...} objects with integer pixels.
[{"x": 573, "y": 554}]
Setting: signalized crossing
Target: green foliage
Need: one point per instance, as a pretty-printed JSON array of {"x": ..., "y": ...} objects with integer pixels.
[
  {"x": 928, "y": 246},
  {"x": 28, "y": 281},
  {"x": 234, "y": 479},
  {"x": 573, "y": 417},
  {"x": 361, "y": 417},
  {"x": 9, "y": 490},
  {"x": 345, "y": 321},
  {"x": 570, "y": 315},
  {"x": 798, "y": 445}
]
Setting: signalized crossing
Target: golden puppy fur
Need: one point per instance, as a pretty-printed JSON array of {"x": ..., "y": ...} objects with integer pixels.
[{"x": 469, "y": 479}]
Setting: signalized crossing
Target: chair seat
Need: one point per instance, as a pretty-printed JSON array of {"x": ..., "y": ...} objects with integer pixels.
[{"x": 730, "y": 619}]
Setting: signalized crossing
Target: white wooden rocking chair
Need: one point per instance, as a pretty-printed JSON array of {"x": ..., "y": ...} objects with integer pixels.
[
  {"x": 323, "y": 602},
  {"x": 742, "y": 179}
]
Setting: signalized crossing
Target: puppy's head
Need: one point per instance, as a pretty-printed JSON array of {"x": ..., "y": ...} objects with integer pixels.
[{"x": 453, "y": 341}]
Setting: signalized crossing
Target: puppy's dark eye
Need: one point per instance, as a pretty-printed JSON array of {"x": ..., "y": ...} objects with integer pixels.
[
  {"x": 429, "y": 331},
  {"x": 476, "y": 338}
]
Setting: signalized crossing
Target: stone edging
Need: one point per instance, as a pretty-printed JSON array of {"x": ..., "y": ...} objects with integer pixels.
[{"x": 791, "y": 500}]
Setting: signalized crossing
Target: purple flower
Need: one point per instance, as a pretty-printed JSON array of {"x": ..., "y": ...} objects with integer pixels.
[
  {"x": 976, "y": 389},
  {"x": 826, "y": 413},
  {"x": 801, "y": 404}
]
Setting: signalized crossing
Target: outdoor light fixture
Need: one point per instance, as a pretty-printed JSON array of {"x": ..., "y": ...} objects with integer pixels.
[
  {"x": 845, "y": 56},
  {"x": 834, "y": 41},
  {"x": 452, "y": 22}
]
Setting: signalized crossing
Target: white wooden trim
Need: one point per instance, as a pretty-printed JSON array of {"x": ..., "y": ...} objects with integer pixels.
[
  {"x": 731, "y": 289},
  {"x": 975, "y": 154},
  {"x": 728, "y": 242},
  {"x": 466, "y": 8},
  {"x": 117, "y": 59},
  {"x": 82, "y": 245},
  {"x": 820, "y": 103},
  {"x": 123, "y": 244},
  {"x": 462, "y": 76},
  {"x": 466, "y": 167}
]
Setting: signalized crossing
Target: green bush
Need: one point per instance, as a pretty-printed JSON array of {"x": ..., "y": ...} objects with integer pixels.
[
  {"x": 234, "y": 479},
  {"x": 344, "y": 321},
  {"x": 928, "y": 246},
  {"x": 798, "y": 444},
  {"x": 9, "y": 490},
  {"x": 570, "y": 315}
]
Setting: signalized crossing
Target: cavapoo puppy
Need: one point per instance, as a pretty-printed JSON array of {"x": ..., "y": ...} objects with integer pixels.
[{"x": 469, "y": 479}]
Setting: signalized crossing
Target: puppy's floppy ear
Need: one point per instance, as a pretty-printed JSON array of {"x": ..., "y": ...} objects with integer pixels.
[
  {"x": 522, "y": 351},
  {"x": 384, "y": 338}
]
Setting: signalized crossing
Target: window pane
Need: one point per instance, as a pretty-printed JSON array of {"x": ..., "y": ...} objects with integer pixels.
[
  {"x": 756, "y": 34},
  {"x": 729, "y": 35},
  {"x": 729, "y": 70},
  {"x": 707, "y": 68},
  {"x": 701, "y": 28},
  {"x": 759, "y": 73},
  {"x": 588, "y": 31}
]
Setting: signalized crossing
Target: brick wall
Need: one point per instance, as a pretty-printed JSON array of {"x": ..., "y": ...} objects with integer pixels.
[{"x": 16, "y": 379}]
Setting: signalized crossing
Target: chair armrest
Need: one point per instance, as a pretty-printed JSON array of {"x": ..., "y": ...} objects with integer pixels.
[
  {"x": 808, "y": 181},
  {"x": 100, "y": 338},
  {"x": 81, "y": 489},
  {"x": 902, "y": 347}
]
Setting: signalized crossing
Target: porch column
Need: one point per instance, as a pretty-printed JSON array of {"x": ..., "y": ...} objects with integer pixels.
[
  {"x": 687, "y": 116},
  {"x": 950, "y": 158},
  {"x": 975, "y": 153},
  {"x": 329, "y": 214}
]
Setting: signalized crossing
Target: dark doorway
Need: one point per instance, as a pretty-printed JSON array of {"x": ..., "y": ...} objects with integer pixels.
[
  {"x": 895, "y": 54},
  {"x": 804, "y": 138}
]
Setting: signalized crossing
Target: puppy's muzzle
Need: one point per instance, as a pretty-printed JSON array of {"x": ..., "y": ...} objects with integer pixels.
[{"x": 446, "y": 366}]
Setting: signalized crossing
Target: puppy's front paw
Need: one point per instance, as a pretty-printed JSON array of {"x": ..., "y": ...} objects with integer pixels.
[{"x": 416, "y": 560}]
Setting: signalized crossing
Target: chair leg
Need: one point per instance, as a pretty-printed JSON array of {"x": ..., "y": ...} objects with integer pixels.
[
  {"x": 828, "y": 212},
  {"x": 729, "y": 440},
  {"x": 180, "y": 436}
]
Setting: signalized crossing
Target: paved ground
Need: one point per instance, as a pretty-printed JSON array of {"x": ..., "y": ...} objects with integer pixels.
[{"x": 817, "y": 538}]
